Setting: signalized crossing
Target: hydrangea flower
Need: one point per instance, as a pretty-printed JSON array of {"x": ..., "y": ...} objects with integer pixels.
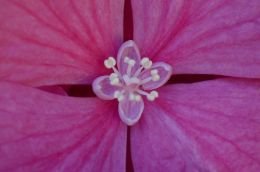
[
  {"x": 203, "y": 126},
  {"x": 127, "y": 84}
]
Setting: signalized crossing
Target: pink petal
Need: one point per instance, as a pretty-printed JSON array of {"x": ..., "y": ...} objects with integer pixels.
[
  {"x": 44, "y": 132},
  {"x": 207, "y": 126},
  {"x": 103, "y": 89},
  {"x": 58, "y": 42},
  {"x": 130, "y": 111},
  {"x": 164, "y": 71},
  {"x": 205, "y": 37},
  {"x": 128, "y": 49}
]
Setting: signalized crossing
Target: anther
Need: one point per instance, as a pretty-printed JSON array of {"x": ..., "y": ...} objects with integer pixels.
[
  {"x": 155, "y": 75},
  {"x": 126, "y": 59},
  {"x": 155, "y": 94},
  {"x": 152, "y": 95},
  {"x": 115, "y": 81},
  {"x": 134, "y": 97},
  {"x": 110, "y": 62},
  {"x": 146, "y": 63},
  {"x": 154, "y": 72},
  {"x": 131, "y": 62},
  {"x": 118, "y": 95}
]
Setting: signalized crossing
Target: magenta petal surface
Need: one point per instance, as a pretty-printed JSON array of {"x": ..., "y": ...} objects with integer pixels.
[
  {"x": 164, "y": 71},
  {"x": 207, "y": 126},
  {"x": 58, "y": 42},
  {"x": 130, "y": 111},
  {"x": 103, "y": 89},
  {"x": 198, "y": 36},
  {"x": 44, "y": 132},
  {"x": 128, "y": 49}
]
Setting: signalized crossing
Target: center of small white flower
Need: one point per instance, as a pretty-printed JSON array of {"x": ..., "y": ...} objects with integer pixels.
[
  {"x": 129, "y": 84},
  {"x": 132, "y": 79}
]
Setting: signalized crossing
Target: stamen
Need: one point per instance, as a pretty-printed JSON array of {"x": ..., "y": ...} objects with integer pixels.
[
  {"x": 146, "y": 63},
  {"x": 117, "y": 72},
  {"x": 115, "y": 81},
  {"x": 118, "y": 95},
  {"x": 113, "y": 75},
  {"x": 138, "y": 71},
  {"x": 126, "y": 59},
  {"x": 133, "y": 80},
  {"x": 129, "y": 68},
  {"x": 134, "y": 97},
  {"x": 152, "y": 95},
  {"x": 146, "y": 80},
  {"x": 154, "y": 72},
  {"x": 155, "y": 94},
  {"x": 110, "y": 62},
  {"x": 130, "y": 63},
  {"x": 155, "y": 75},
  {"x": 142, "y": 92}
]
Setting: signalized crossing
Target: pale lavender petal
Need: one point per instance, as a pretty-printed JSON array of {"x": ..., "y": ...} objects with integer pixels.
[
  {"x": 103, "y": 89},
  {"x": 164, "y": 71},
  {"x": 130, "y": 111},
  {"x": 128, "y": 49}
]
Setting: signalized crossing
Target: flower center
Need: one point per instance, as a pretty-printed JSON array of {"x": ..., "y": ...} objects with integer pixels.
[
  {"x": 130, "y": 84},
  {"x": 132, "y": 79}
]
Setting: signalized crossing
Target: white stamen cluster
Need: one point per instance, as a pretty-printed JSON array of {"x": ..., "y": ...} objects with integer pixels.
[{"x": 127, "y": 81}]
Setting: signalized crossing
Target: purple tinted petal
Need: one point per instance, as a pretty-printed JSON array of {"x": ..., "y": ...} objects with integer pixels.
[
  {"x": 130, "y": 111},
  {"x": 128, "y": 49},
  {"x": 164, "y": 71},
  {"x": 103, "y": 89}
]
